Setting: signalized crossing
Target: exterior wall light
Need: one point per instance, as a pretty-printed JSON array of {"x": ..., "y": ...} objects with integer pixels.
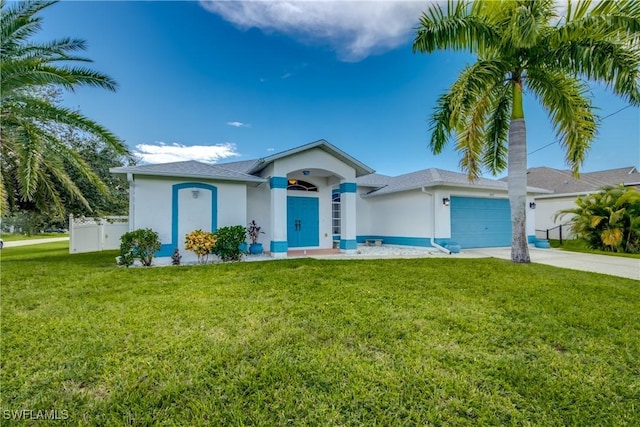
[
  {"x": 446, "y": 201},
  {"x": 195, "y": 193},
  {"x": 532, "y": 205},
  {"x": 292, "y": 182}
]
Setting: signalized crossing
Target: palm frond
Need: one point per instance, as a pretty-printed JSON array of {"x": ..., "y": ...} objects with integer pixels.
[
  {"x": 37, "y": 109},
  {"x": 567, "y": 101},
  {"x": 30, "y": 156},
  {"x": 494, "y": 157},
  {"x": 31, "y": 72},
  {"x": 19, "y": 22},
  {"x": 457, "y": 29}
]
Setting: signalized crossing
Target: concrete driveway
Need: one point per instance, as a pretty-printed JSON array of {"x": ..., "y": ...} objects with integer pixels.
[{"x": 612, "y": 265}]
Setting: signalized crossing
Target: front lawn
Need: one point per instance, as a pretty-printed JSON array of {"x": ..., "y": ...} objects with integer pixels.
[{"x": 441, "y": 341}]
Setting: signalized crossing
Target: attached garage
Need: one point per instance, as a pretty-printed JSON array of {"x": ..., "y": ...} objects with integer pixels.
[{"x": 480, "y": 222}]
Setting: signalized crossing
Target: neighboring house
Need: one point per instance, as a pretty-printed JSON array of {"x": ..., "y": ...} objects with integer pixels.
[
  {"x": 318, "y": 197},
  {"x": 566, "y": 189}
]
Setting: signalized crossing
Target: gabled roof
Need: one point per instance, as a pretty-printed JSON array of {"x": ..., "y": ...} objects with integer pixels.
[
  {"x": 360, "y": 168},
  {"x": 434, "y": 177},
  {"x": 563, "y": 181},
  {"x": 189, "y": 169}
]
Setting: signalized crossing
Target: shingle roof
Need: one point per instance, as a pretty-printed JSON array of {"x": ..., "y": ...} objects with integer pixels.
[
  {"x": 373, "y": 180},
  {"x": 190, "y": 169},
  {"x": 563, "y": 182},
  {"x": 433, "y": 177}
]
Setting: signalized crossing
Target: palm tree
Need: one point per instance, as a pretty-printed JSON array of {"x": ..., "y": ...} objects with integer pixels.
[
  {"x": 526, "y": 47},
  {"x": 33, "y": 156},
  {"x": 608, "y": 220}
]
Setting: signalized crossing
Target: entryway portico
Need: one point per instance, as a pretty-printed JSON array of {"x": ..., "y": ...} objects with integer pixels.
[{"x": 301, "y": 184}]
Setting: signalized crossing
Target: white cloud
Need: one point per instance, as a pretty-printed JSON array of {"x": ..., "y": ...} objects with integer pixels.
[
  {"x": 239, "y": 124},
  {"x": 355, "y": 29},
  {"x": 164, "y": 153}
]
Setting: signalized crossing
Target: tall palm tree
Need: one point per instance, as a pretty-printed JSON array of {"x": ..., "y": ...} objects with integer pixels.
[
  {"x": 525, "y": 47},
  {"x": 32, "y": 153}
]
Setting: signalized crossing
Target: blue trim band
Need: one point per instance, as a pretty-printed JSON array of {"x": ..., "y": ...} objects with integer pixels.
[
  {"x": 166, "y": 250},
  {"x": 279, "y": 246},
  {"x": 532, "y": 239},
  {"x": 278, "y": 182},
  {"x": 348, "y": 244},
  {"x": 403, "y": 241},
  {"x": 348, "y": 187}
]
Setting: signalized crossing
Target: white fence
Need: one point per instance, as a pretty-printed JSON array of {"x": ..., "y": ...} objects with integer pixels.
[{"x": 96, "y": 234}]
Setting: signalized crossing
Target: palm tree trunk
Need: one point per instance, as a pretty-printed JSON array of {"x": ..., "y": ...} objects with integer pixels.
[{"x": 517, "y": 168}]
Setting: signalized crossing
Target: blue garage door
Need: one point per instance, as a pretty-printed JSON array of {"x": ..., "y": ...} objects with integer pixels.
[{"x": 480, "y": 223}]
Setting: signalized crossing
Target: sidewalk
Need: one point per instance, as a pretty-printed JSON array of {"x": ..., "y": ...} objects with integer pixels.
[{"x": 33, "y": 242}]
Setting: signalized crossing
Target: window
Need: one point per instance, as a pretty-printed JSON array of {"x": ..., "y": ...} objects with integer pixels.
[
  {"x": 298, "y": 185},
  {"x": 335, "y": 213}
]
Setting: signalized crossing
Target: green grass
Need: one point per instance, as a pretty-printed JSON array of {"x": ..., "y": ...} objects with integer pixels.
[
  {"x": 577, "y": 245},
  {"x": 13, "y": 237},
  {"x": 306, "y": 342}
]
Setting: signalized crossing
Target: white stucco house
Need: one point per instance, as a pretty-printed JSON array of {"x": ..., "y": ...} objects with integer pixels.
[
  {"x": 318, "y": 197},
  {"x": 565, "y": 189}
]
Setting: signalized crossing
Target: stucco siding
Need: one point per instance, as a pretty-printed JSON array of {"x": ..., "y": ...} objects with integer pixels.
[
  {"x": 405, "y": 214},
  {"x": 546, "y": 210},
  {"x": 154, "y": 207},
  {"x": 258, "y": 209}
]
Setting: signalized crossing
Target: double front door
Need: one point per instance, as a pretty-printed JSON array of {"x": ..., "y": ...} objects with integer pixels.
[{"x": 302, "y": 222}]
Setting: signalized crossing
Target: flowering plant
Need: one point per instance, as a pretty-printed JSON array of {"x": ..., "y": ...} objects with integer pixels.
[
  {"x": 200, "y": 242},
  {"x": 253, "y": 230}
]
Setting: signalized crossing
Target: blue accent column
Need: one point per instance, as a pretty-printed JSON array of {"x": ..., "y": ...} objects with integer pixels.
[
  {"x": 278, "y": 244},
  {"x": 348, "y": 245},
  {"x": 278, "y": 182},
  {"x": 348, "y": 187}
]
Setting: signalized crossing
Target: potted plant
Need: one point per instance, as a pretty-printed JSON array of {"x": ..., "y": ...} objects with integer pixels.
[{"x": 253, "y": 230}]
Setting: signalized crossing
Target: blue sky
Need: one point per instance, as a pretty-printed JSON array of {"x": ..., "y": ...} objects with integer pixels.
[{"x": 225, "y": 81}]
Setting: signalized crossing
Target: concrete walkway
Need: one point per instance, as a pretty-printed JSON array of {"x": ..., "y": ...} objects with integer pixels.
[
  {"x": 33, "y": 242},
  {"x": 605, "y": 264}
]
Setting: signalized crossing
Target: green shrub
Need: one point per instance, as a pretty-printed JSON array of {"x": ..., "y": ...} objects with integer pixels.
[
  {"x": 230, "y": 238},
  {"x": 139, "y": 244},
  {"x": 608, "y": 220}
]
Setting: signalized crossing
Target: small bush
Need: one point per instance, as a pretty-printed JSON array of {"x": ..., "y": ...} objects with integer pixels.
[
  {"x": 254, "y": 231},
  {"x": 141, "y": 244},
  {"x": 176, "y": 257},
  {"x": 229, "y": 240},
  {"x": 202, "y": 243}
]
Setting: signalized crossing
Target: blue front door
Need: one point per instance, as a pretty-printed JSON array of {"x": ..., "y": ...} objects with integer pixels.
[{"x": 302, "y": 222}]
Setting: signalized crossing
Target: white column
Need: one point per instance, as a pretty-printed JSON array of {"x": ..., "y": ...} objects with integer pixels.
[
  {"x": 348, "y": 196},
  {"x": 278, "y": 245}
]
